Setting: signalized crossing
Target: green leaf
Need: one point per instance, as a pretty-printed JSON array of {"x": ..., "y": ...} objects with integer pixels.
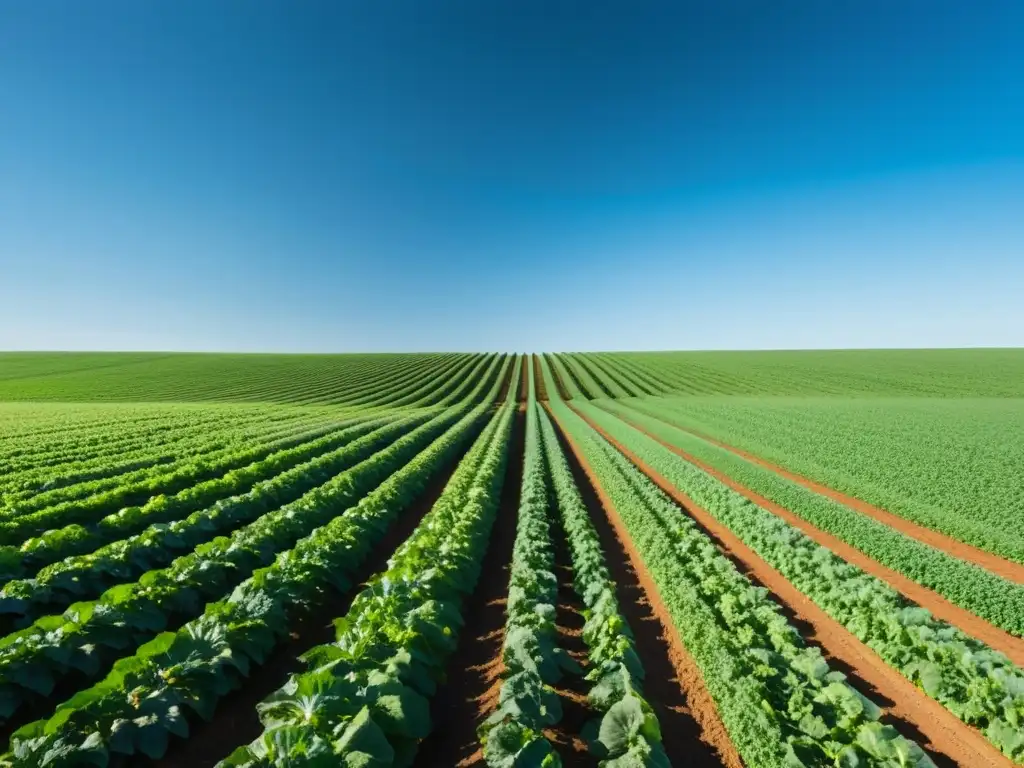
[
  {"x": 405, "y": 714},
  {"x": 363, "y": 736}
]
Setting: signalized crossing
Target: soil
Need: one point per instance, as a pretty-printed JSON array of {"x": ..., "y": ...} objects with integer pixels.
[
  {"x": 948, "y": 741},
  {"x": 506, "y": 384},
  {"x": 235, "y": 721},
  {"x": 542, "y": 391},
  {"x": 524, "y": 382},
  {"x": 562, "y": 391},
  {"x": 940, "y": 607},
  {"x": 692, "y": 730},
  {"x": 470, "y": 692},
  {"x": 1007, "y": 569},
  {"x": 572, "y": 689}
]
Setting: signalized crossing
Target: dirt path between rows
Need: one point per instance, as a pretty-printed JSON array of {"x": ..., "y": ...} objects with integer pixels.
[
  {"x": 470, "y": 693},
  {"x": 1000, "y": 566},
  {"x": 559, "y": 384},
  {"x": 506, "y": 383},
  {"x": 572, "y": 689},
  {"x": 538, "y": 380},
  {"x": 941, "y": 608},
  {"x": 692, "y": 730},
  {"x": 524, "y": 380},
  {"x": 235, "y": 721},
  {"x": 948, "y": 740}
]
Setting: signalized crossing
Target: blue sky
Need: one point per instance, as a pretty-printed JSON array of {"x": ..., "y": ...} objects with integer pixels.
[{"x": 334, "y": 176}]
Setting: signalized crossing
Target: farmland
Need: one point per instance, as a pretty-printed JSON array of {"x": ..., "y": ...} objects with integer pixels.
[{"x": 771, "y": 560}]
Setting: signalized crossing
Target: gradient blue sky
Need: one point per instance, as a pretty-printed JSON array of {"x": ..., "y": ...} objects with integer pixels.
[{"x": 374, "y": 175}]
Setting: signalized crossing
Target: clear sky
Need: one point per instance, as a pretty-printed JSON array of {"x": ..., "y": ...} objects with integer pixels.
[{"x": 375, "y": 175}]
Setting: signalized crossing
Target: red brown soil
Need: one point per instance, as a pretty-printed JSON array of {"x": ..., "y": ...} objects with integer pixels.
[
  {"x": 572, "y": 689},
  {"x": 506, "y": 384},
  {"x": 559, "y": 384},
  {"x": 692, "y": 730},
  {"x": 542, "y": 391},
  {"x": 948, "y": 740},
  {"x": 524, "y": 381},
  {"x": 235, "y": 721},
  {"x": 470, "y": 692},
  {"x": 940, "y": 607},
  {"x": 1000, "y": 566}
]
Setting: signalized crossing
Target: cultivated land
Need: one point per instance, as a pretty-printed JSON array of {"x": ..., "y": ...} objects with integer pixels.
[{"x": 623, "y": 559}]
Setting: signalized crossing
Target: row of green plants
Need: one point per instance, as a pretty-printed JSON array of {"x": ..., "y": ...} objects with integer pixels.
[
  {"x": 177, "y": 678},
  {"x": 587, "y": 383},
  {"x": 939, "y": 463},
  {"x": 614, "y": 381},
  {"x": 408, "y": 381},
  {"x": 277, "y": 480},
  {"x": 557, "y": 367},
  {"x": 373, "y": 384},
  {"x": 151, "y": 490},
  {"x": 62, "y": 462},
  {"x": 779, "y": 700},
  {"x": 626, "y": 731},
  {"x": 514, "y": 733},
  {"x": 974, "y": 588},
  {"x": 442, "y": 388},
  {"x": 638, "y": 381},
  {"x": 978, "y": 685},
  {"x": 364, "y": 699},
  {"x": 649, "y": 379},
  {"x": 154, "y": 469},
  {"x": 19, "y": 561},
  {"x": 91, "y": 634},
  {"x": 78, "y": 430},
  {"x": 486, "y": 369}
]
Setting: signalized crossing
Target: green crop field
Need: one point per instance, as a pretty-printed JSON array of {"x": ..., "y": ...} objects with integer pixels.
[{"x": 762, "y": 559}]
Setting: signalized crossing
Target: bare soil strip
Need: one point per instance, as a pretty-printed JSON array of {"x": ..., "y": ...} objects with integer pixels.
[
  {"x": 235, "y": 721},
  {"x": 562, "y": 391},
  {"x": 524, "y": 381},
  {"x": 947, "y": 740},
  {"x": 542, "y": 391},
  {"x": 692, "y": 730},
  {"x": 942, "y": 608},
  {"x": 506, "y": 384},
  {"x": 470, "y": 693},
  {"x": 572, "y": 689},
  {"x": 1000, "y": 566}
]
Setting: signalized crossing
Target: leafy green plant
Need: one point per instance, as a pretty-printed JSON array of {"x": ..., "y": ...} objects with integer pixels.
[
  {"x": 146, "y": 699},
  {"x": 978, "y": 685},
  {"x": 364, "y": 700},
  {"x": 779, "y": 700}
]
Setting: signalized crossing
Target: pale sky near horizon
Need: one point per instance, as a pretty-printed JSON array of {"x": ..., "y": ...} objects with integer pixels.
[{"x": 256, "y": 176}]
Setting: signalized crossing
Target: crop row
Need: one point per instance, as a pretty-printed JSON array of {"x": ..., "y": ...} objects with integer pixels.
[
  {"x": 277, "y": 480},
  {"x": 178, "y": 467},
  {"x": 965, "y": 584},
  {"x": 627, "y": 729},
  {"x": 978, "y": 685},
  {"x": 778, "y": 698},
  {"x": 365, "y": 698},
  {"x": 58, "y": 543},
  {"x": 178, "y": 676},
  {"x": 939, "y": 463},
  {"x": 123, "y": 429},
  {"x": 88, "y": 634}
]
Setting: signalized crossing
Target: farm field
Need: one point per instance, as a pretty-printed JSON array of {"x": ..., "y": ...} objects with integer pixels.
[{"x": 763, "y": 559}]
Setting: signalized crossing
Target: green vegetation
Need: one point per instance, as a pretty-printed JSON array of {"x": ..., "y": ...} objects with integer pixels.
[
  {"x": 178, "y": 377},
  {"x": 980, "y": 686},
  {"x": 942, "y": 463},
  {"x": 167, "y": 521}
]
